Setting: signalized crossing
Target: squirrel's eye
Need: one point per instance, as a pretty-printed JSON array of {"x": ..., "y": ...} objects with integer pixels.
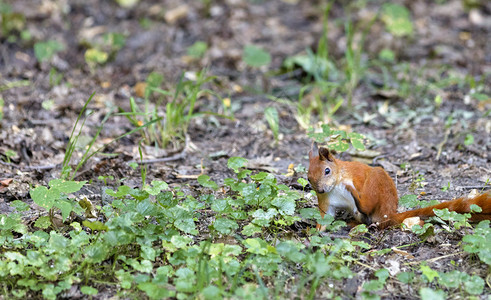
[{"x": 327, "y": 171}]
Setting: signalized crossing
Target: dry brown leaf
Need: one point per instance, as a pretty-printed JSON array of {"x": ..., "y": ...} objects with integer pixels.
[
  {"x": 402, "y": 252},
  {"x": 57, "y": 220},
  {"x": 388, "y": 94},
  {"x": 6, "y": 182},
  {"x": 415, "y": 155},
  {"x": 86, "y": 204},
  {"x": 364, "y": 154},
  {"x": 388, "y": 166},
  {"x": 481, "y": 105},
  {"x": 106, "y": 84},
  {"x": 262, "y": 163},
  {"x": 150, "y": 152},
  {"x": 410, "y": 222},
  {"x": 186, "y": 176},
  {"x": 237, "y": 88},
  {"x": 91, "y": 32},
  {"x": 176, "y": 14},
  {"x": 140, "y": 89}
]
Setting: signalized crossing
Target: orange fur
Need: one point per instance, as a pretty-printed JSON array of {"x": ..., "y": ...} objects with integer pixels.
[
  {"x": 460, "y": 205},
  {"x": 370, "y": 194}
]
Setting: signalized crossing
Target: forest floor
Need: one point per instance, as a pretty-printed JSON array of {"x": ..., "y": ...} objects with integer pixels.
[{"x": 425, "y": 112}]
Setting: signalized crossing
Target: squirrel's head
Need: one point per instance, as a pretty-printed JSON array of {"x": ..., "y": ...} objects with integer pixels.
[{"x": 322, "y": 169}]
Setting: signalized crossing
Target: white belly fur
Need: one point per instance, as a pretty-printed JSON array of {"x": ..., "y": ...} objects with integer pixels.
[{"x": 341, "y": 198}]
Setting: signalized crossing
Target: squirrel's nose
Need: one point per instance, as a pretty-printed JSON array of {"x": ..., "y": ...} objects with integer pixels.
[{"x": 316, "y": 188}]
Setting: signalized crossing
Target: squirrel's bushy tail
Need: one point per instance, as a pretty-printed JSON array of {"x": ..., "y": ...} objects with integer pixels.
[{"x": 460, "y": 205}]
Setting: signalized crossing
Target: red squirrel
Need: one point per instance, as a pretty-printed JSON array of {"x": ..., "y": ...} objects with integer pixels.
[{"x": 369, "y": 193}]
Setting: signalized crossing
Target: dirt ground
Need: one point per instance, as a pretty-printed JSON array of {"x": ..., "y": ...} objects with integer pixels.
[{"x": 448, "y": 40}]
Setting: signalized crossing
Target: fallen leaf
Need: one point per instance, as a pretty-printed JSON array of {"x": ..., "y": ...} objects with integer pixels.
[
  {"x": 388, "y": 166},
  {"x": 364, "y": 154},
  {"x": 415, "y": 155},
  {"x": 410, "y": 222},
  {"x": 290, "y": 171},
  {"x": 473, "y": 193},
  {"x": 394, "y": 266},
  {"x": 176, "y": 14},
  {"x": 482, "y": 104},
  {"x": 57, "y": 220},
  {"x": 186, "y": 176},
  {"x": 106, "y": 84},
  {"x": 387, "y": 94},
  {"x": 402, "y": 252},
  {"x": 150, "y": 152},
  {"x": 91, "y": 32},
  {"x": 140, "y": 89},
  {"x": 262, "y": 163},
  {"x": 6, "y": 182},
  {"x": 86, "y": 204}
]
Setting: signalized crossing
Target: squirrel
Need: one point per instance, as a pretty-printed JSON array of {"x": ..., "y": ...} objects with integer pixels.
[{"x": 369, "y": 194}]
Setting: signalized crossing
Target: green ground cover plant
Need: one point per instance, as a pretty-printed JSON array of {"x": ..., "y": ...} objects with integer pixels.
[
  {"x": 249, "y": 235},
  {"x": 68, "y": 171},
  {"x": 146, "y": 240},
  {"x": 44, "y": 51},
  {"x": 179, "y": 109}
]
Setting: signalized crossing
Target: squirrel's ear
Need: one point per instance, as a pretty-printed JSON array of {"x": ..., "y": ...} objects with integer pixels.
[
  {"x": 324, "y": 154},
  {"x": 313, "y": 150}
]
